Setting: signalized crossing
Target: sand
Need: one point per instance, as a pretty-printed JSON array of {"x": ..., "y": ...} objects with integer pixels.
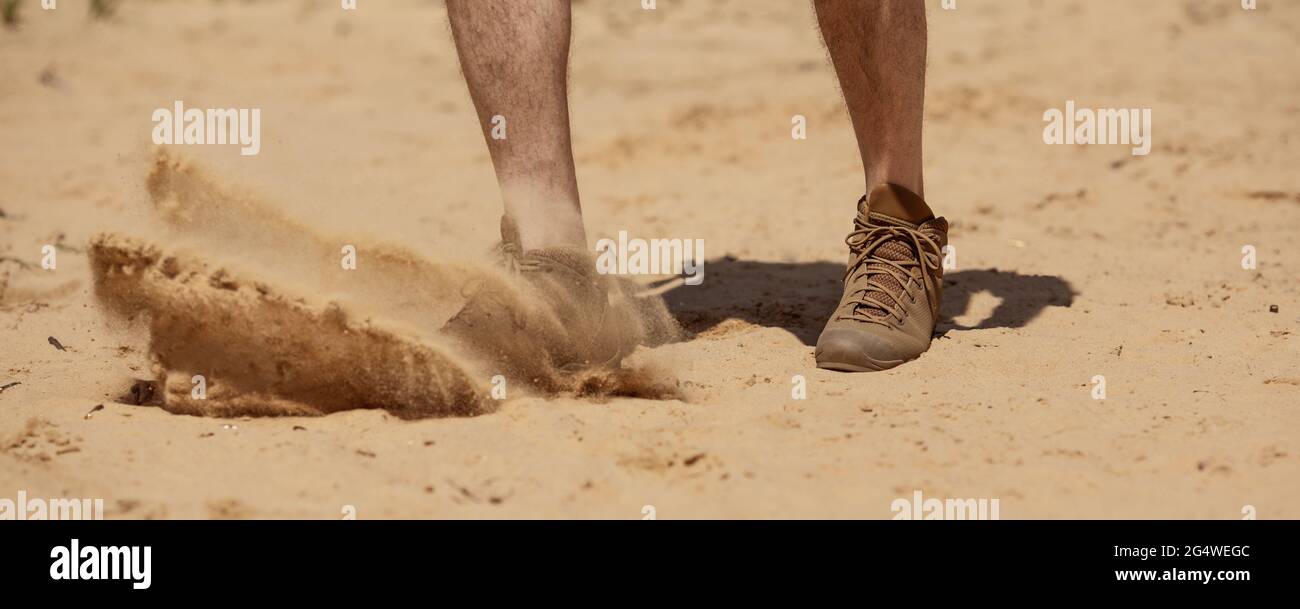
[{"x": 1072, "y": 262}]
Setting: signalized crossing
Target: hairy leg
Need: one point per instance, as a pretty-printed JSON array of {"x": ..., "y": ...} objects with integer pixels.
[
  {"x": 878, "y": 48},
  {"x": 515, "y": 59}
]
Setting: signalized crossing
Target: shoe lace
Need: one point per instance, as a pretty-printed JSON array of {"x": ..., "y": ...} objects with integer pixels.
[
  {"x": 512, "y": 258},
  {"x": 865, "y": 243}
]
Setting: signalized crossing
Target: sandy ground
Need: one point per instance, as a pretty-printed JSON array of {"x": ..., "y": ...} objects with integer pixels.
[{"x": 1072, "y": 261}]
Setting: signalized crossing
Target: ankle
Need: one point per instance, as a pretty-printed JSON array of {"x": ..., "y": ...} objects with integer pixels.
[
  {"x": 897, "y": 201},
  {"x": 558, "y": 226},
  {"x": 545, "y": 217}
]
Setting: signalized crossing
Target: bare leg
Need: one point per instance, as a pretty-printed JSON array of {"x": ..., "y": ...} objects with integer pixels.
[
  {"x": 515, "y": 58},
  {"x": 878, "y": 48}
]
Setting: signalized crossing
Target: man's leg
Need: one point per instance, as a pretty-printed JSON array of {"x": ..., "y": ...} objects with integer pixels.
[
  {"x": 515, "y": 59},
  {"x": 878, "y": 48},
  {"x": 893, "y": 282},
  {"x": 514, "y": 54}
]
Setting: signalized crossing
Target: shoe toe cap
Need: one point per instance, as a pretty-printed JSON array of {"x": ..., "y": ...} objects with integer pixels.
[{"x": 860, "y": 350}]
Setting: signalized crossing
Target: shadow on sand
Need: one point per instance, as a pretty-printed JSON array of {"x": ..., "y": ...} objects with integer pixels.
[{"x": 799, "y": 297}]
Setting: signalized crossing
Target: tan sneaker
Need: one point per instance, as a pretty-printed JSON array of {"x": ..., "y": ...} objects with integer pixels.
[
  {"x": 892, "y": 286},
  {"x": 555, "y": 321}
]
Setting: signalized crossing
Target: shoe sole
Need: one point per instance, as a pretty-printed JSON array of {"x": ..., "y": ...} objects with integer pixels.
[{"x": 873, "y": 365}]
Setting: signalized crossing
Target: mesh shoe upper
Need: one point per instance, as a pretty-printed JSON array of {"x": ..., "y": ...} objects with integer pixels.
[{"x": 885, "y": 254}]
